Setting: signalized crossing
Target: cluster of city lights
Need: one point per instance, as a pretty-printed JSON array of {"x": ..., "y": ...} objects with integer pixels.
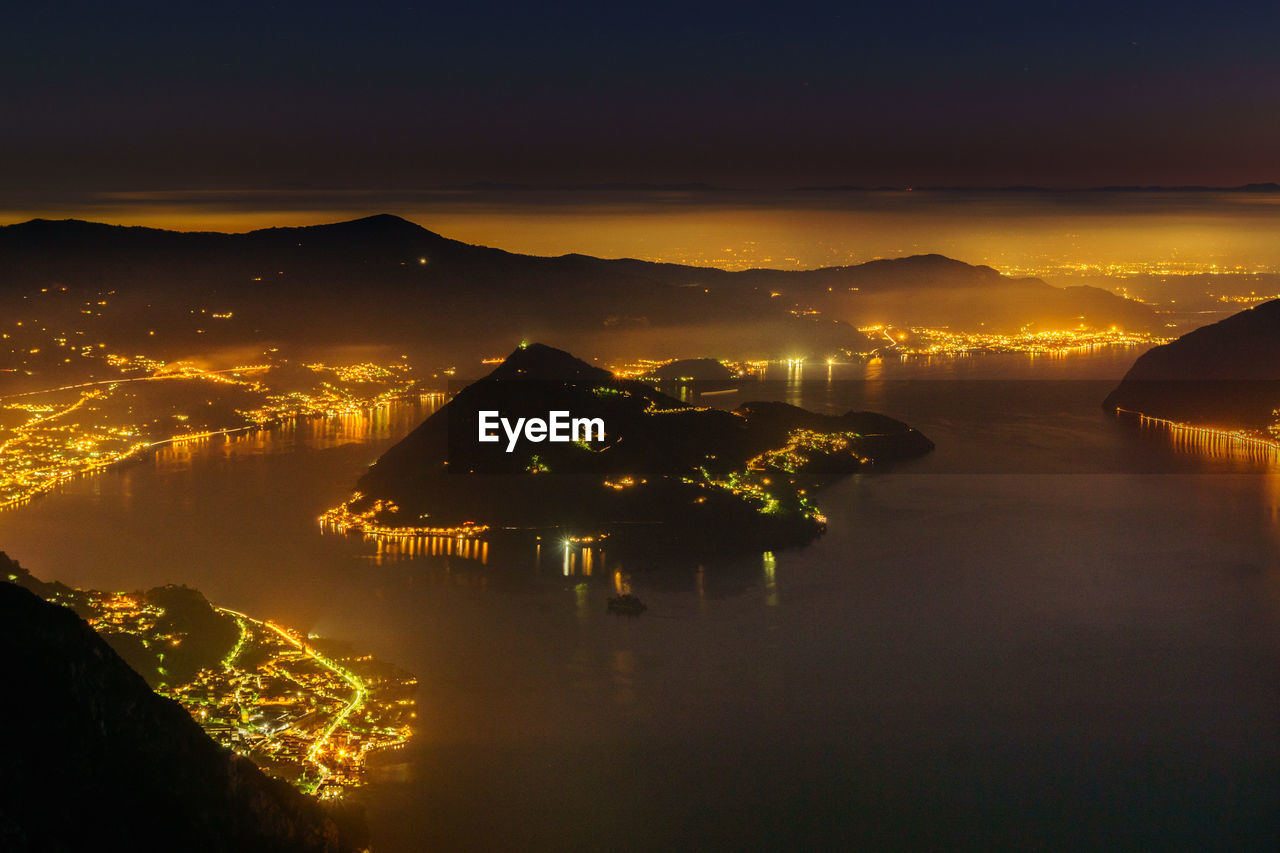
[
  {"x": 927, "y": 341},
  {"x": 51, "y": 435},
  {"x": 803, "y": 446},
  {"x": 637, "y": 368},
  {"x": 623, "y": 483},
  {"x": 1251, "y": 299},
  {"x": 1125, "y": 269},
  {"x": 301, "y": 714},
  {"x": 344, "y": 519}
]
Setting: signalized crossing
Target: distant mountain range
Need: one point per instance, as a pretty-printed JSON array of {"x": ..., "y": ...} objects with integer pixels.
[
  {"x": 383, "y": 278},
  {"x": 1226, "y": 374},
  {"x": 92, "y": 759},
  {"x": 1270, "y": 186},
  {"x": 698, "y": 186}
]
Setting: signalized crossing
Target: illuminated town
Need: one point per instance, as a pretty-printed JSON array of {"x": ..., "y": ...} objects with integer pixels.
[
  {"x": 1252, "y": 298},
  {"x": 927, "y": 341},
  {"x": 301, "y": 714},
  {"x": 803, "y": 447},
  {"x": 889, "y": 340},
  {"x": 1050, "y": 267},
  {"x": 50, "y": 435},
  {"x": 410, "y": 540},
  {"x": 304, "y": 709}
]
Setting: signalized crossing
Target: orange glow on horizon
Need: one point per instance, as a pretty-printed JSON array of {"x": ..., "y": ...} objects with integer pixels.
[{"x": 740, "y": 231}]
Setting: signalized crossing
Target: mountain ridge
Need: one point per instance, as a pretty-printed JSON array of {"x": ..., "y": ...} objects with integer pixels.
[{"x": 383, "y": 277}]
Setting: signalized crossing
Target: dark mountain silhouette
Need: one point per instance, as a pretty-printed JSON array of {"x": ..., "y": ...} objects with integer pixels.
[
  {"x": 679, "y": 474},
  {"x": 691, "y": 369},
  {"x": 92, "y": 759},
  {"x": 207, "y": 634},
  {"x": 383, "y": 278},
  {"x": 1226, "y": 374}
]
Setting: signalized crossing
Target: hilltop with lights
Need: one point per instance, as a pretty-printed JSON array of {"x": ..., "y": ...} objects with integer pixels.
[{"x": 667, "y": 473}]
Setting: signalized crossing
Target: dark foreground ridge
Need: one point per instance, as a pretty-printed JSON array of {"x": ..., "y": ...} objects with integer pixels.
[
  {"x": 92, "y": 759},
  {"x": 1225, "y": 375},
  {"x": 667, "y": 474}
]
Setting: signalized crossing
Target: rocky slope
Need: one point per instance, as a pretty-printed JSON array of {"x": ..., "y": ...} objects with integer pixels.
[{"x": 92, "y": 759}]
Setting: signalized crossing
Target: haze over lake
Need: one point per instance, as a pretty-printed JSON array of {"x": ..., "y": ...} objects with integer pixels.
[{"x": 953, "y": 659}]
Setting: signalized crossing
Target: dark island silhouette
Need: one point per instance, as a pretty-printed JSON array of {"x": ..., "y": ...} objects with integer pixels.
[
  {"x": 386, "y": 279},
  {"x": 691, "y": 377},
  {"x": 666, "y": 475},
  {"x": 92, "y": 759},
  {"x": 1224, "y": 375},
  {"x": 690, "y": 370}
]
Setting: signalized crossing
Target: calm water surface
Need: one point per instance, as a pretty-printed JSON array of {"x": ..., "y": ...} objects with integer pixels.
[{"x": 1051, "y": 631}]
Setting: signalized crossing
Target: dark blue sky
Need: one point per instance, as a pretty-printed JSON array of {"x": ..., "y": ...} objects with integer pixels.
[{"x": 249, "y": 95}]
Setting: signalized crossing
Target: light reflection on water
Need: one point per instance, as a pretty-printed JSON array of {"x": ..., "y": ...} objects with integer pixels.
[
  {"x": 1204, "y": 442},
  {"x": 982, "y": 639},
  {"x": 377, "y": 424},
  {"x": 411, "y": 547}
]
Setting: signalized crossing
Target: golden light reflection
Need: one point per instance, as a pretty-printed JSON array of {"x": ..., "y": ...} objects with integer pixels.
[
  {"x": 388, "y": 548},
  {"x": 770, "y": 566},
  {"x": 1211, "y": 441},
  {"x": 51, "y": 435}
]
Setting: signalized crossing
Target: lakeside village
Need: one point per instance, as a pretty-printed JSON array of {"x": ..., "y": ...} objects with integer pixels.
[{"x": 307, "y": 710}]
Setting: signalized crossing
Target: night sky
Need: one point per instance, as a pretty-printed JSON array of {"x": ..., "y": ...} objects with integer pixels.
[{"x": 104, "y": 96}]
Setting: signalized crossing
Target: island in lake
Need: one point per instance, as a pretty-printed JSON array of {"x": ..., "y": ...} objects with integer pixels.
[{"x": 667, "y": 474}]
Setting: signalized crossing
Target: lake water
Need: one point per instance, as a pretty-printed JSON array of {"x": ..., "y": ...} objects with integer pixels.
[{"x": 1051, "y": 631}]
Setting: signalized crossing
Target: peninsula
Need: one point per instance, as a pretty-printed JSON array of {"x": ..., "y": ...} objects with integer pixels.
[{"x": 667, "y": 474}]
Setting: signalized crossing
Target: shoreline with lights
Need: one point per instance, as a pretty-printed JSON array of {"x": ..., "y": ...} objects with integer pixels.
[
  {"x": 304, "y": 709},
  {"x": 1211, "y": 439},
  {"x": 51, "y": 436}
]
